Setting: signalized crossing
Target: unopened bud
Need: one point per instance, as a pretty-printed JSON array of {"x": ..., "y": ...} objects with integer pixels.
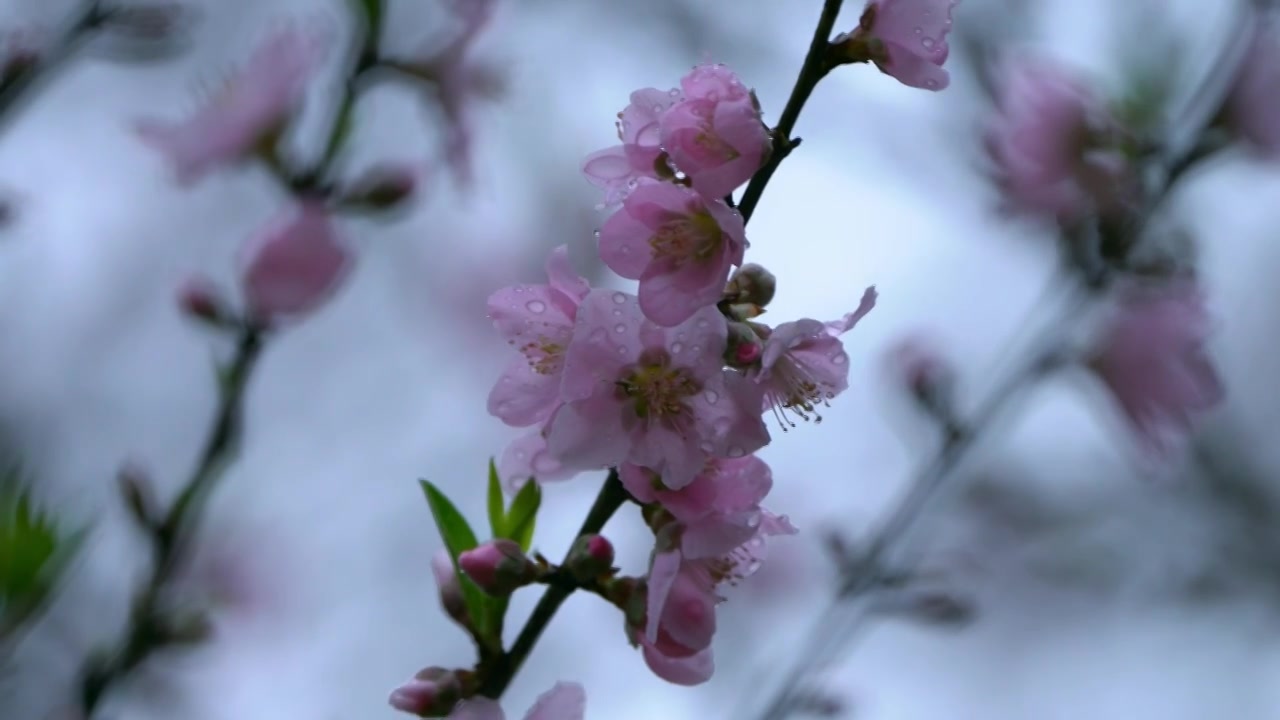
[
  {"x": 751, "y": 284},
  {"x": 591, "y": 557},
  {"x": 925, "y": 374},
  {"x": 745, "y": 346},
  {"x": 432, "y": 692},
  {"x": 450, "y": 588},
  {"x": 382, "y": 188},
  {"x": 498, "y": 567},
  {"x": 629, "y": 595},
  {"x": 199, "y": 298}
]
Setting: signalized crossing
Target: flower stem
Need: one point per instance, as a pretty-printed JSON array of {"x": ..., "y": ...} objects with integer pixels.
[
  {"x": 147, "y": 631},
  {"x": 612, "y": 496},
  {"x": 815, "y": 68},
  {"x": 88, "y": 19}
]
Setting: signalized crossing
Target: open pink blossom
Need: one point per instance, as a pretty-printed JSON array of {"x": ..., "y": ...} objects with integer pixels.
[
  {"x": 255, "y": 104},
  {"x": 1253, "y": 108},
  {"x": 682, "y": 592},
  {"x": 527, "y": 458},
  {"x": 537, "y": 320},
  {"x": 679, "y": 245},
  {"x": 715, "y": 135},
  {"x": 656, "y": 397},
  {"x": 1152, "y": 359},
  {"x": 804, "y": 364},
  {"x": 619, "y": 169},
  {"x": 564, "y": 701},
  {"x": 295, "y": 265},
  {"x": 912, "y": 37},
  {"x": 717, "y": 512},
  {"x": 1049, "y": 143}
]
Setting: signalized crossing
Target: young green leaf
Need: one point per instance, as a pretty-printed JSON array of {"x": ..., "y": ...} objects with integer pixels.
[
  {"x": 497, "y": 516},
  {"x": 458, "y": 538},
  {"x": 523, "y": 514}
]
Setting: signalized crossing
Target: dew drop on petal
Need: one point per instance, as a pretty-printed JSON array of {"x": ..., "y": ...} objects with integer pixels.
[
  {"x": 736, "y": 452},
  {"x": 839, "y": 358},
  {"x": 619, "y": 328},
  {"x": 677, "y": 347},
  {"x": 712, "y": 396},
  {"x": 619, "y": 298},
  {"x": 617, "y": 312},
  {"x": 536, "y": 306},
  {"x": 927, "y": 42},
  {"x": 917, "y": 31}
]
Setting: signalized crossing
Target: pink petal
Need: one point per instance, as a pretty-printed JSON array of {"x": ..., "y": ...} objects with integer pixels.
[
  {"x": 914, "y": 70},
  {"x": 295, "y": 264},
  {"x": 564, "y": 701},
  {"x": 624, "y": 243},
  {"x": 528, "y": 457},
  {"x": 477, "y": 708},
  {"x": 588, "y": 434},
  {"x": 693, "y": 670},
  {"x": 522, "y": 397},
  {"x": 606, "y": 338},
  {"x": 919, "y": 27},
  {"x": 564, "y": 279},
  {"x": 846, "y": 323},
  {"x": 663, "y": 572}
]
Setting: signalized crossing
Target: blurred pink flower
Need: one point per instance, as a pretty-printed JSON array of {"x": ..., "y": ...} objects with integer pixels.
[
  {"x": 255, "y": 104},
  {"x": 564, "y": 701},
  {"x": 538, "y": 320},
  {"x": 295, "y": 265},
  {"x": 913, "y": 39},
  {"x": 804, "y": 364},
  {"x": 1152, "y": 359},
  {"x": 657, "y": 397},
  {"x": 1048, "y": 142},
  {"x": 1253, "y": 108},
  {"x": 619, "y": 169},
  {"x": 715, "y": 135},
  {"x": 678, "y": 244}
]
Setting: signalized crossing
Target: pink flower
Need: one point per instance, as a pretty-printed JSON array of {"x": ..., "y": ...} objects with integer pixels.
[
  {"x": 683, "y": 588},
  {"x": 527, "y": 458},
  {"x": 429, "y": 693},
  {"x": 619, "y": 169},
  {"x": 653, "y": 396},
  {"x": 1253, "y": 107},
  {"x": 804, "y": 364},
  {"x": 678, "y": 244},
  {"x": 254, "y": 105},
  {"x": 564, "y": 701},
  {"x": 1152, "y": 359},
  {"x": 715, "y": 135},
  {"x": 458, "y": 81},
  {"x": 537, "y": 320},
  {"x": 912, "y": 37},
  {"x": 1049, "y": 143},
  {"x": 295, "y": 265}
]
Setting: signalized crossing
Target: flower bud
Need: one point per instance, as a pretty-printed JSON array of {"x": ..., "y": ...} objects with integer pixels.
[
  {"x": 382, "y": 188},
  {"x": 432, "y": 692},
  {"x": 591, "y": 557},
  {"x": 295, "y": 265},
  {"x": 450, "y": 588},
  {"x": 751, "y": 284},
  {"x": 498, "y": 566},
  {"x": 745, "y": 347},
  {"x": 922, "y": 370},
  {"x": 199, "y": 298}
]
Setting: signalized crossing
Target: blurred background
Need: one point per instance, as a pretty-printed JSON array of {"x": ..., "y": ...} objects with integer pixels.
[{"x": 1104, "y": 587}]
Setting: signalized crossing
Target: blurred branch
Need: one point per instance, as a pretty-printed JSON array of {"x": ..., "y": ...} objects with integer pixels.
[
  {"x": 151, "y": 627},
  {"x": 23, "y": 75}
]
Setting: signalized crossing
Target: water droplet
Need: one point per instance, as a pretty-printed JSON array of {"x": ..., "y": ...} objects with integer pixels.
[
  {"x": 735, "y": 452},
  {"x": 702, "y": 322},
  {"x": 617, "y": 312},
  {"x": 519, "y": 288},
  {"x": 722, "y": 424},
  {"x": 619, "y": 298},
  {"x": 677, "y": 347},
  {"x": 597, "y": 335},
  {"x": 521, "y": 455},
  {"x": 622, "y": 350},
  {"x": 917, "y": 31},
  {"x": 624, "y": 250},
  {"x": 712, "y": 396},
  {"x": 657, "y": 108},
  {"x": 927, "y": 42},
  {"x": 839, "y": 358},
  {"x": 596, "y": 232},
  {"x": 673, "y": 92},
  {"x": 697, "y": 349},
  {"x": 536, "y": 306},
  {"x": 931, "y": 84},
  {"x": 619, "y": 328}
]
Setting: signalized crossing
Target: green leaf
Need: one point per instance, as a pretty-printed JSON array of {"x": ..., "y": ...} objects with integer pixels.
[
  {"x": 459, "y": 538},
  {"x": 523, "y": 514},
  {"x": 497, "y": 516}
]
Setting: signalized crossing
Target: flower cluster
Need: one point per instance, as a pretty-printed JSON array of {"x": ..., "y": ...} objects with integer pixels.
[{"x": 669, "y": 386}]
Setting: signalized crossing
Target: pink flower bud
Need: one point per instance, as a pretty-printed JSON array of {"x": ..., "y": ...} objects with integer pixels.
[
  {"x": 498, "y": 566},
  {"x": 199, "y": 298},
  {"x": 432, "y": 692},
  {"x": 922, "y": 370},
  {"x": 591, "y": 557},
  {"x": 450, "y": 588},
  {"x": 745, "y": 347},
  {"x": 295, "y": 265}
]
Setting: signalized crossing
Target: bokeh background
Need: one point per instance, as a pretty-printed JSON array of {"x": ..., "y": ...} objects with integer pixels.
[{"x": 1105, "y": 588}]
